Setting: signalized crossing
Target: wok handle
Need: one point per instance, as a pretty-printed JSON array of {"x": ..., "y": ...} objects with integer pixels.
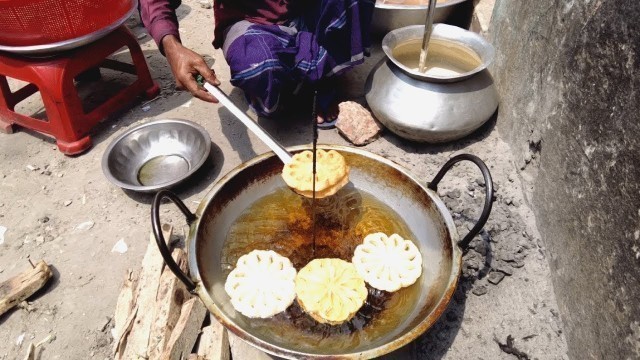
[
  {"x": 488, "y": 200},
  {"x": 157, "y": 232}
]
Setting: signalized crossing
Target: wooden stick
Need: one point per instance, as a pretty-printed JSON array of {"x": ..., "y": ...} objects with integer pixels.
[
  {"x": 185, "y": 333},
  {"x": 171, "y": 296},
  {"x": 214, "y": 342},
  {"x": 121, "y": 342},
  {"x": 136, "y": 342},
  {"x": 31, "y": 350},
  {"x": 124, "y": 308},
  {"x": 19, "y": 288}
]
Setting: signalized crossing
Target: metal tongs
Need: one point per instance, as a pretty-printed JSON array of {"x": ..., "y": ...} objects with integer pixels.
[
  {"x": 428, "y": 29},
  {"x": 253, "y": 126},
  {"x": 278, "y": 149}
]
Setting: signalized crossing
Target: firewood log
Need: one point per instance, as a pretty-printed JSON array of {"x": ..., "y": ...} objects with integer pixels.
[
  {"x": 19, "y": 288},
  {"x": 133, "y": 342},
  {"x": 185, "y": 333},
  {"x": 214, "y": 342},
  {"x": 171, "y": 296}
]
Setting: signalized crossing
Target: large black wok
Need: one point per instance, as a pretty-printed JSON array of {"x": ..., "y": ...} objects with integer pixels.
[{"x": 414, "y": 200}]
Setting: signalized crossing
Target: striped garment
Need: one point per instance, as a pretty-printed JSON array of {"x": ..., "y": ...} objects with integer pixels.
[{"x": 268, "y": 61}]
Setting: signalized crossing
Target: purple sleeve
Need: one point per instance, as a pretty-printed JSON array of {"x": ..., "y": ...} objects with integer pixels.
[{"x": 159, "y": 17}]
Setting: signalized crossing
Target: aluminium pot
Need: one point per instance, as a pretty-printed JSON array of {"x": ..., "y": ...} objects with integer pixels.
[
  {"x": 415, "y": 201},
  {"x": 432, "y": 108}
]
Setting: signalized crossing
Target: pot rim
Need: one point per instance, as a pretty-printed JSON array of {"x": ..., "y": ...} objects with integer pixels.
[
  {"x": 424, "y": 325},
  {"x": 451, "y": 33},
  {"x": 417, "y": 7}
]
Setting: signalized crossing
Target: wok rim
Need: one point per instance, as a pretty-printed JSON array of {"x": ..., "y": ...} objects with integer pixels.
[{"x": 423, "y": 326}]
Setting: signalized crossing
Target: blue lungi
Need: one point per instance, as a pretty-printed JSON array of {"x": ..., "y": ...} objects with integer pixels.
[{"x": 269, "y": 61}]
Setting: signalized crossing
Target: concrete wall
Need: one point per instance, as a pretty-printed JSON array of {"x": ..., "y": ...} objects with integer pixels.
[{"x": 569, "y": 77}]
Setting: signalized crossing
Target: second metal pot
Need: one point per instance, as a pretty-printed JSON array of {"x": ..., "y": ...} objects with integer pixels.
[{"x": 432, "y": 109}]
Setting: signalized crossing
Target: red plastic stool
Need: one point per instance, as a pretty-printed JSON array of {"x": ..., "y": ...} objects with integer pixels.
[{"x": 54, "y": 78}]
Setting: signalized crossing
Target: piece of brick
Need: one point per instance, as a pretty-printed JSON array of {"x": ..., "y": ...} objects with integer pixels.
[{"x": 357, "y": 124}]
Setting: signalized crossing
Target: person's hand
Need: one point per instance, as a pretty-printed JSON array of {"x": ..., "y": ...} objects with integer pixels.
[{"x": 186, "y": 65}]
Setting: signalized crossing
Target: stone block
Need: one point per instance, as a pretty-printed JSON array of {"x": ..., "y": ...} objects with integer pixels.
[{"x": 357, "y": 124}]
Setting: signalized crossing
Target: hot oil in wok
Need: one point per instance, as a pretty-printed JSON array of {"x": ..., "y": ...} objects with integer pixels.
[{"x": 282, "y": 222}]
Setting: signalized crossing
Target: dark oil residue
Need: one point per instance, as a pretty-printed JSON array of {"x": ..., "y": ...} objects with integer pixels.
[
  {"x": 281, "y": 222},
  {"x": 374, "y": 304}
]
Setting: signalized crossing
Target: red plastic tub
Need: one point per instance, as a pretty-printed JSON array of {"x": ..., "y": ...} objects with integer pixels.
[{"x": 28, "y": 23}]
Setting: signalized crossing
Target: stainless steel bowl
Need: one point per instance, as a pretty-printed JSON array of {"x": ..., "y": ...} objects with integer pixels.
[
  {"x": 387, "y": 17},
  {"x": 156, "y": 155}
]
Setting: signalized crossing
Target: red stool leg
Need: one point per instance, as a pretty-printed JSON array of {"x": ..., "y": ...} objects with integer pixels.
[
  {"x": 75, "y": 147},
  {"x": 6, "y": 125},
  {"x": 64, "y": 109}
]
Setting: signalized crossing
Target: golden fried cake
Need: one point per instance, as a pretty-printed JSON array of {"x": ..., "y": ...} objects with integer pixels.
[
  {"x": 332, "y": 173},
  {"x": 330, "y": 290},
  {"x": 388, "y": 262},
  {"x": 262, "y": 284}
]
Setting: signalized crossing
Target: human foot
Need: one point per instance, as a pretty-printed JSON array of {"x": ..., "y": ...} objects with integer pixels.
[
  {"x": 328, "y": 110},
  {"x": 328, "y": 116}
]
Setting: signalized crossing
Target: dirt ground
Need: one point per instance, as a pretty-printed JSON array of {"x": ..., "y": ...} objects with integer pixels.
[{"x": 505, "y": 289}]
